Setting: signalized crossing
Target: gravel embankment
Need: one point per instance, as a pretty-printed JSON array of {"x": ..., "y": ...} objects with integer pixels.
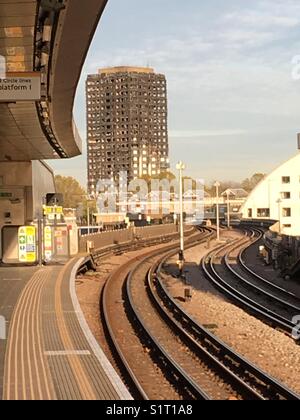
[{"x": 271, "y": 350}]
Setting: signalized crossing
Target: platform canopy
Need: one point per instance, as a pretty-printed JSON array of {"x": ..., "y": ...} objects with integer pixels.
[{"x": 48, "y": 39}]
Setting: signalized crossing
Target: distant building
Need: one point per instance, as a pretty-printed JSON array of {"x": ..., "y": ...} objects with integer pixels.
[
  {"x": 235, "y": 194},
  {"x": 127, "y": 128},
  {"x": 237, "y": 198},
  {"x": 277, "y": 197}
]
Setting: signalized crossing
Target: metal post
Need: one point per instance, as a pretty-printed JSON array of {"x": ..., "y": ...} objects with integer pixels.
[
  {"x": 88, "y": 217},
  {"x": 228, "y": 210},
  {"x": 40, "y": 242},
  {"x": 181, "y": 214},
  {"x": 217, "y": 185},
  {"x": 279, "y": 214},
  {"x": 181, "y": 167}
]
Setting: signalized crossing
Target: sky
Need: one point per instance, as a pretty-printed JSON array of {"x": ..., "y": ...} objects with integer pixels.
[{"x": 234, "y": 105}]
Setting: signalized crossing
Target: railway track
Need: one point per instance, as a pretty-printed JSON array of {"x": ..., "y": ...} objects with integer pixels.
[
  {"x": 150, "y": 372},
  {"x": 224, "y": 267},
  {"x": 277, "y": 297},
  {"x": 245, "y": 374},
  {"x": 162, "y": 352},
  {"x": 282, "y": 292}
]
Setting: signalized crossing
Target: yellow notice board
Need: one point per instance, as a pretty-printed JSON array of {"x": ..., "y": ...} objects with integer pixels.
[
  {"x": 27, "y": 244},
  {"x": 49, "y": 210}
]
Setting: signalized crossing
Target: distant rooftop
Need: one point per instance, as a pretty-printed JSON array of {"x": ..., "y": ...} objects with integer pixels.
[
  {"x": 237, "y": 192},
  {"x": 126, "y": 69}
]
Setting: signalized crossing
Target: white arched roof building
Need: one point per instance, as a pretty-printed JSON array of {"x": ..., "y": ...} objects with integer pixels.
[{"x": 277, "y": 197}]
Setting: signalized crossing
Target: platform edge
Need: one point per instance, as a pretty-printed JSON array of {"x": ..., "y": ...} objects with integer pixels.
[{"x": 100, "y": 355}]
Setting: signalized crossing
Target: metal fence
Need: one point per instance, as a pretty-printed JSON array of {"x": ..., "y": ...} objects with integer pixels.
[{"x": 284, "y": 252}]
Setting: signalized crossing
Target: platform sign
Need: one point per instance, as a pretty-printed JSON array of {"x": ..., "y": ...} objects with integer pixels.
[
  {"x": 27, "y": 244},
  {"x": 20, "y": 87},
  {"x": 48, "y": 243},
  {"x": 61, "y": 240},
  {"x": 53, "y": 210},
  {"x": 59, "y": 234}
]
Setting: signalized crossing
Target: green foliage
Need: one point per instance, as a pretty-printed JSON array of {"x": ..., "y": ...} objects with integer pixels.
[
  {"x": 167, "y": 175},
  {"x": 75, "y": 197},
  {"x": 250, "y": 184},
  {"x": 72, "y": 191},
  {"x": 211, "y": 189}
]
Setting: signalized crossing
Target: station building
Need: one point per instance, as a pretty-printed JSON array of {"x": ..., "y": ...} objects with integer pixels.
[
  {"x": 23, "y": 187},
  {"x": 277, "y": 197}
]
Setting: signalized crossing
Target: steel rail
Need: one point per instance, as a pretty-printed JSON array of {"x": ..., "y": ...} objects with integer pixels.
[
  {"x": 173, "y": 366},
  {"x": 112, "y": 337},
  {"x": 156, "y": 292},
  {"x": 138, "y": 388},
  {"x": 273, "y": 388},
  {"x": 256, "y": 288},
  {"x": 262, "y": 279},
  {"x": 208, "y": 267}
]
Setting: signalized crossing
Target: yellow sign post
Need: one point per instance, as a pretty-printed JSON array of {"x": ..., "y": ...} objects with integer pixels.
[
  {"x": 55, "y": 210},
  {"x": 27, "y": 244}
]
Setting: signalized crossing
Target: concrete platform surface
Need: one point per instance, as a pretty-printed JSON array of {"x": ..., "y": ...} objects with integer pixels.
[{"x": 50, "y": 353}]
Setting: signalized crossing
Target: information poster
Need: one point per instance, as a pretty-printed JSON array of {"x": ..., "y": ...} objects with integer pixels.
[
  {"x": 27, "y": 244},
  {"x": 48, "y": 243}
]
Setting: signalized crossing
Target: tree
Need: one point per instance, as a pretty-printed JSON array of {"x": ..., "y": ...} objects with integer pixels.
[
  {"x": 165, "y": 175},
  {"x": 72, "y": 191},
  {"x": 75, "y": 196},
  {"x": 250, "y": 184}
]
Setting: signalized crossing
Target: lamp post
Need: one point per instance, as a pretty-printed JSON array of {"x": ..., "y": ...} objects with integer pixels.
[
  {"x": 88, "y": 216},
  {"x": 228, "y": 209},
  {"x": 217, "y": 185},
  {"x": 279, "y": 201},
  {"x": 181, "y": 167}
]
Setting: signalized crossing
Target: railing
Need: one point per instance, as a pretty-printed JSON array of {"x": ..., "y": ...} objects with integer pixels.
[{"x": 90, "y": 230}]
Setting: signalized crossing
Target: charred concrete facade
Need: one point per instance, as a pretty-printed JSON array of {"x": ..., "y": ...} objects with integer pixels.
[{"x": 127, "y": 128}]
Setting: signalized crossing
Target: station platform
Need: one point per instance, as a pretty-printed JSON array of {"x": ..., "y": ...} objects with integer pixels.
[{"x": 50, "y": 352}]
